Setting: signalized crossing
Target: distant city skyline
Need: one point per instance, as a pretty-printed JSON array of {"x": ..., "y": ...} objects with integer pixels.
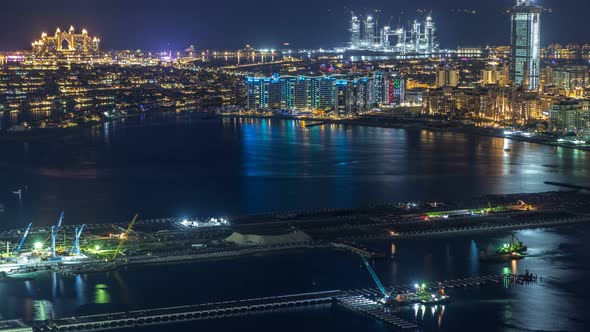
[{"x": 176, "y": 24}]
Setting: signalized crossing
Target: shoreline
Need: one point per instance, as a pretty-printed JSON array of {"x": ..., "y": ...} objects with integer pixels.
[
  {"x": 428, "y": 124},
  {"x": 420, "y": 125}
]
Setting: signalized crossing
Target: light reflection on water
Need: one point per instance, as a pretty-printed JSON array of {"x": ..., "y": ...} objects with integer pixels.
[
  {"x": 259, "y": 165},
  {"x": 262, "y": 165},
  {"x": 208, "y": 281}
]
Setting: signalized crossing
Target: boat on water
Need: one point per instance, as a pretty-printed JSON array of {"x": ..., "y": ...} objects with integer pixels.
[
  {"x": 507, "y": 150},
  {"x": 514, "y": 250},
  {"x": 515, "y": 246}
]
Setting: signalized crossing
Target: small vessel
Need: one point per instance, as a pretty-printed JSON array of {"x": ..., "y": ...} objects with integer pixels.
[
  {"x": 507, "y": 150},
  {"x": 515, "y": 246}
]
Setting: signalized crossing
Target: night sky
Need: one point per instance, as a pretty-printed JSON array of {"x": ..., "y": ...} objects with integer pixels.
[{"x": 175, "y": 24}]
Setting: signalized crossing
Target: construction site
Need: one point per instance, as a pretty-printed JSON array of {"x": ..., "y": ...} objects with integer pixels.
[{"x": 77, "y": 249}]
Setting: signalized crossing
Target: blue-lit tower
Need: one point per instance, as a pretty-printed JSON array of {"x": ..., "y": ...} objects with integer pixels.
[{"x": 525, "y": 46}]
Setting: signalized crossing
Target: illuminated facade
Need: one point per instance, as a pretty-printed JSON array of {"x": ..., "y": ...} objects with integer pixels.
[
  {"x": 570, "y": 116},
  {"x": 447, "y": 77},
  {"x": 66, "y": 42},
  {"x": 336, "y": 93},
  {"x": 355, "y": 31},
  {"x": 525, "y": 50},
  {"x": 420, "y": 38}
]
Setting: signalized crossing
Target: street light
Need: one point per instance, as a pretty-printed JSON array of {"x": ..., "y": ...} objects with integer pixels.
[{"x": 38, "y": 245}]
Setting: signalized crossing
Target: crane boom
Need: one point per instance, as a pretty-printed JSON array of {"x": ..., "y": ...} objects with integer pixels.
[
  {"x": 78, "y": 232},
  {"x": 515, "y": 238},
  {"x": 55, "y": 231},
  {"x": 375, "y": 278},
  {"x": 61, "y": 218},
  {"x": 131, "y": 224},
  {"x": 22, "y": 240}
]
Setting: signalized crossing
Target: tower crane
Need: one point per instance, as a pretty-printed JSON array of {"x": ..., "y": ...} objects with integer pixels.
[
  {"x": 387, "y": 296},
  {"x": 55, "y": 232},
  {"x": 125, "y": 235},
  {"x": 22, "y": 240},
  {"x": 78, "y": 232}
]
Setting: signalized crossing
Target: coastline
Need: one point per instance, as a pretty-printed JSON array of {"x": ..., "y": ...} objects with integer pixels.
[
  {"x": 379, "y": 121},
  {"x": 432, "y": 126}
]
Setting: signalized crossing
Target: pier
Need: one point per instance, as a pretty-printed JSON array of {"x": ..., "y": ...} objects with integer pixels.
[
  {"x": 360, "y": 301},
  {"x": 185, "y": 313}
]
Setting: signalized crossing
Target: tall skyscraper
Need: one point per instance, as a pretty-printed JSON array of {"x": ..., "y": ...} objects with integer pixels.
[
  {"x": 355, "y": 31},
  {"x": 429, "y": 35},
  {"x": 369, "y": 39},
  {"x": 525, "y": 47}
]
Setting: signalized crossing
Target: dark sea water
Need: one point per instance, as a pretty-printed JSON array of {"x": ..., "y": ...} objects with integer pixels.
[
  {"x": 187, "y": 166},
  {"x": 175, "y": 166},
  {"x": 558, "y": 303}
]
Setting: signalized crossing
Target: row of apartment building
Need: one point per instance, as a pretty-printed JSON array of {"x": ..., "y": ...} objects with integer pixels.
[{"x": 337, "y": 93}]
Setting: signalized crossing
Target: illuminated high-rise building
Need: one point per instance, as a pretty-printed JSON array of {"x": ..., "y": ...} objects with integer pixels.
[
  {"x": 355, "y": 31},
  {"x": 370, "y": 31},
  {"x": 66, "y": 42},
  {"x": 429, "y": 41},
  {"x": 495, "y": 76},
  {"x": 447, "y": 77},
  {"x": 335, "y": 93},
  {"x": 418, "y": 38},
  {"x": 394, "y": 90},
  {"x": 525, "y": 48}
]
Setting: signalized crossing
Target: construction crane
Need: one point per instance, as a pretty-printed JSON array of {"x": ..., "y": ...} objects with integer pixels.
[
  {"x": 124, "y": 236},
  {"x": 55, "y": 232},
  {"x": 386, "y": 296},
  {"x": 22, "y": 240},
  {"x": 78, "y": 232}
]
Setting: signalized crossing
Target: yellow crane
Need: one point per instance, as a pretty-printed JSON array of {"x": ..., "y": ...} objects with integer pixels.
[{"x": 125, "y": 235}]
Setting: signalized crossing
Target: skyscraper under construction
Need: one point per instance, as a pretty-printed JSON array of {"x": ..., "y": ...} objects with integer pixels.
[{"x": 420, "y": 38}]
